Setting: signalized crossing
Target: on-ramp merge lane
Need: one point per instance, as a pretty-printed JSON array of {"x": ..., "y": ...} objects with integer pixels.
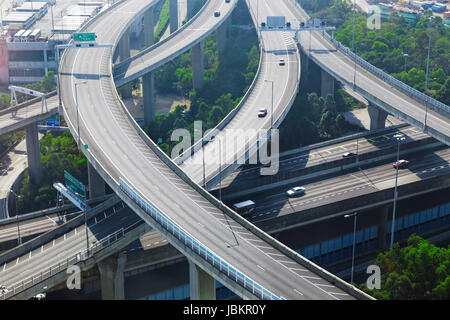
[{"x": 121, "y": 152}]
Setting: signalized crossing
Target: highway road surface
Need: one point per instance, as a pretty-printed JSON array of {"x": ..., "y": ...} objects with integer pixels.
[
  {"x": 276, "y": 45},
  {"x": 319, "y": 192},
  {"x": 66, "y": 246},
  {"x": 115, "y": 145},
  {"x": 304, "y": 159}
]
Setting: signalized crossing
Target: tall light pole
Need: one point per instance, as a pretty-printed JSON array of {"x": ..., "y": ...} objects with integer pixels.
[
  {"x": 271, "y": 113},
  {"x": 353, "y": 42},
  {"x": 399, "y": 138},
  {"x": 19, "y": 240},
  {"x": 220, "y": 169},
  {"x": 405, "y": 55},
  {"x": 78, "y": 113},
  {"x": 354, "y": 241},
  {"x": 426, "y": 79}
]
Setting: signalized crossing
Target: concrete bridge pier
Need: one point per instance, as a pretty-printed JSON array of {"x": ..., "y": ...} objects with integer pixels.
[
  {"x": 33, "y": 154},
  {"x": 221, "y": 36},
  {"x": 124, "y": 52},
  {"x": 149, "y": 31},
  {"x": 148, "y": 91},
  {"x": 112, "y": 277},
  {"x": 382, "y": 227},
  {"x": 190, "y": 8},
  {"x": 148, "y": 80},
  {"x": 377, "y": 117},
  {"x": 327, "y": 84},
  {"x": 202, "y": 285},
  {"x": 198, "y": 65},
  {"x": 173, "y": 12},
  {"x": 96, "y": 183}
]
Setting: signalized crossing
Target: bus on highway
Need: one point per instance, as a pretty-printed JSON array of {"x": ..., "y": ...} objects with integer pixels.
[{"x": 244, "y": 208}]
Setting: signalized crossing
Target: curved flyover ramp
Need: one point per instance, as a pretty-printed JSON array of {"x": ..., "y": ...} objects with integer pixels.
[
  {"x": 192, "y": 220},
  {"x": 195, "y": 30},
  {"x": 385, "y": 92},
  {"x": 239, "y": 134}
]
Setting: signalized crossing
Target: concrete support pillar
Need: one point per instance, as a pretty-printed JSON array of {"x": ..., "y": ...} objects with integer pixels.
[
  {"x": 202, "y": 285},
  {"x": 33, "y": 154},
  {"x": 377, "y": 117},
  {"x": 96, "y": 183},
  {"x": 221, "y": 36},
  {"x": 45, "y": 61},
  {"x": 327, "y": 84},
  {"x": 149, "y": 31},
  {"x": 173, "y": 12},
  {"x": 124, "y": 52},
  {"x": 382, "y": 227},
  {"x": 190, "y": 8},
  {"x": 198, "y": 65},
  {"x": 112, "y": 277},
  {"x": 148, "y": 91}
]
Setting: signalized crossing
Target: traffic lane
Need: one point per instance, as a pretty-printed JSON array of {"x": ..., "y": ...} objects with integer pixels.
[
  {"x": 343, "y": 66},
  {"x": 326, "y": 154},
  {"x": 347, "y": 186},
  {"x": 66, "y": 246},
  {"x": 247, "y": 121},
  {"x": 276, "y": 45},
  {"x": 155, "y": 56}
]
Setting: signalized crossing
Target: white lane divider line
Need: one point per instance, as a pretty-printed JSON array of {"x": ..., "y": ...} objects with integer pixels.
[
  {"x": 338, "y": 293},
  {"x": 260, "y": 267},
  {"x": 52, "y": 220},
  {"x": 311, "y": 277},
  {"x": 298, "y": 292}
]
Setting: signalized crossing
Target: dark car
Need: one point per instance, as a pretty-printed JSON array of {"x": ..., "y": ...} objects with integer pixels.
[
  {"x": 348, "y": 154},
  {"x": 401, "y": 164},
  {"x": 262, "y": 113},
  {"x": 217, "y": 14}
]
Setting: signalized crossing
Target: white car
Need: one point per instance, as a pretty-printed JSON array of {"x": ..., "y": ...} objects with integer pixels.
[
  {"x": 3, "y": 290},
  {"x": 282, "y": 63},
  {"x": 296, "y": 191}
]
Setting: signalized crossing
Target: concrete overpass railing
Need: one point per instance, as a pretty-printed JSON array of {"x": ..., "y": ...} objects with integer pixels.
[{"x": 56, "y": 273}]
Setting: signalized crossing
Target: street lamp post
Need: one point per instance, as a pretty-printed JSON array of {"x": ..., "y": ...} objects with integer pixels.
[
  {"x": 354, "y": 242},
  {"x": 271, "y": 112},
  {"x": 426, "y": 79},
  {"x": 399, "y": 138},
  {"x": 353, "y": 43},
  {"x": 78, "y": 113},
  {"x": 220, "y": 169},
  {"x": 19, "y": 240}
]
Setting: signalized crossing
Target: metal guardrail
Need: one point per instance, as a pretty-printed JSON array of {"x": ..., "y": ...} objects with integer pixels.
[
  {"x": 65, "y": 264},
  {"x": 399, "y": 85},
  {"x": 197, "y": 247}
]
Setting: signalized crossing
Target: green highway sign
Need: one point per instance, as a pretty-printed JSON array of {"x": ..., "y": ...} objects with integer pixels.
[
  {"x": 83, "y": 37},
  {"x": 74, "y": 185}
]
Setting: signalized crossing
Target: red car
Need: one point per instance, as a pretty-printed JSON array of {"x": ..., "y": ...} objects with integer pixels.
[
  {"x": 401, "y": 164},
  {"x": 262, "y": 113}
]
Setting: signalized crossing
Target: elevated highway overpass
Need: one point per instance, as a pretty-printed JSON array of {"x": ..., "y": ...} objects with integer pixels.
[
  {"x": 141, "y": 175},
  {"x": 386, "y": 94}
]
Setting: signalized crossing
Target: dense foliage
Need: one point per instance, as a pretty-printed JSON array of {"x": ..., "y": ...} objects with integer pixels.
[
  {"x": 227, "y": 77},
  {"x": 384, "y": 48},
  {"x": 418, "y": 271}
]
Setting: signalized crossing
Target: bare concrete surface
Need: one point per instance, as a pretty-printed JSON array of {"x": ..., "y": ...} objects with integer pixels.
[{"x": 360, "y": 117}]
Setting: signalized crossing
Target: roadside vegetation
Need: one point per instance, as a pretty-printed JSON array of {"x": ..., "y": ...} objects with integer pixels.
[{"x": 418, "y": 271}]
